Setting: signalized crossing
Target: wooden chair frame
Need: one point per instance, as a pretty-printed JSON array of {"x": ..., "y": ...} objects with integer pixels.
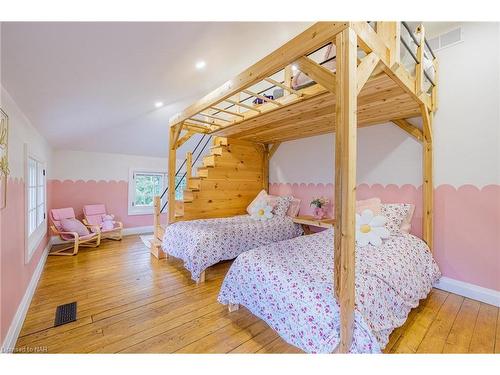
[
  {"x": 77, "y": 242},
  {"x": 339, "y": 102}
]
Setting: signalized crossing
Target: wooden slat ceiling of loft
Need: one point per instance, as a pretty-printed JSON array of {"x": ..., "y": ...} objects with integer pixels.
[{"x": 381, "y": 100}]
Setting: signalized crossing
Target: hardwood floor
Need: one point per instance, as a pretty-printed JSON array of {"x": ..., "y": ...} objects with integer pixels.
[{"x": 131, "y": 302}]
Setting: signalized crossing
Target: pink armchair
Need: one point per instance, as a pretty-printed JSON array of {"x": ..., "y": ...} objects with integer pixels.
[
  {"x": 93, "y": 239},
  {"x": 95, "y": 214}
]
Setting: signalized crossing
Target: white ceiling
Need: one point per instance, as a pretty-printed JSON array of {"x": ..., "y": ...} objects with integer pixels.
[{"x": 92, "y": 86}]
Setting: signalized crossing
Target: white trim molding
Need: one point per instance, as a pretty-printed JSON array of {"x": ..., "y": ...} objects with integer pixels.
[
  {"x": 9, "y": 343},
  {"x": 472, "y": 291}
]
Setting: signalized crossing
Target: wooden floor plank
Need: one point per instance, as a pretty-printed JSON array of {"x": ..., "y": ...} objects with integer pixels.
[
  {"x": 460, "y": 336},
  {"x": 413, "y": 335},
  {"x": 435, "y": 338},
  {"x": 129, "y": 301},
  {"x": 483, "y": 338}
]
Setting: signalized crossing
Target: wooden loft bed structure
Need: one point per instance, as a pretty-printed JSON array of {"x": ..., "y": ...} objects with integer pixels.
[{"x": 369, "y": 86}]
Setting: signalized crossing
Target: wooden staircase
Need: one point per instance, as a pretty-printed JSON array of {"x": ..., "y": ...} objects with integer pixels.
[{"x": 230, "y": 177}]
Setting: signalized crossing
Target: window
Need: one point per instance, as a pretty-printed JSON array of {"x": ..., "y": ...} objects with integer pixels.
[
  {"x": 36, "y": 222},
  {"x": 36, "y": 195},
  {"x": 145, "y": 185}
]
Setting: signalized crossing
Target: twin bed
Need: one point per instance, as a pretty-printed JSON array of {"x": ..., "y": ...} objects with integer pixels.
[
  {"x": 203, "y": 243},
  {"x": 287, "y": 279}
]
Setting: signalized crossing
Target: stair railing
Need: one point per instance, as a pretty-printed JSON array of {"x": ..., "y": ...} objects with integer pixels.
[{"x": 189, "y": 166}]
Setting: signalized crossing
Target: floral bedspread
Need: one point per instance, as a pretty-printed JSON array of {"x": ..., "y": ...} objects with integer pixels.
[
  {"x": 290, "y": 286},
  {"x": 203, "y": 243}
]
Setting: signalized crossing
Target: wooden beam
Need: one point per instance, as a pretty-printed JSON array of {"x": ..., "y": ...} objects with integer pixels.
[
  {"x": 365, "y": 70},
  {"x": 242, "y": 105},
  {"x": 264, "y": 98},
  {"x": 306, "y": 42},
  {"x": 211, "y": 123},
  {"x": 345, "y": 183},
  {"x": 195, "y": 127},
  {"x": 273, "y": 149},
  {"x": 213, "y": 117},
  {"x": 316, "y": 72},
  {"x": 428, "y": 184},
  {"x": 184, "y": 138},
  {"x": 283, "y": 86},
  {"x": 228, "y": 112},
  {"x": 370, "y": 41},
  {"x": 172, "y": 156},
  {"x": 410, "y": 129}
]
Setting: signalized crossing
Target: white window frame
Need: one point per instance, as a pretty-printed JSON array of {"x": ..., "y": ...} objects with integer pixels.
[
  {"x": 142, "y": 210},
  {"x": 33, "y": 240}
]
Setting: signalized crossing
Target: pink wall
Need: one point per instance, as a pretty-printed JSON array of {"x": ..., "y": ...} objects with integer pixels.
[
  {"x": 466, "y": 224},
  {"x": 15, "y": 274},
  {"x": 114, "y": 194}
]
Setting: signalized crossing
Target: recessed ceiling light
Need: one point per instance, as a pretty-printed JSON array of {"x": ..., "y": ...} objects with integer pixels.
[
  {"x": 200, "y": 64},
  {"x": 294, "y": 68},
  {"x": 158, "y": 104}
]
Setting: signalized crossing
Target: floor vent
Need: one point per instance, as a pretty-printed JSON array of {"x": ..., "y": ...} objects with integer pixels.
[{"x": 65, "y": 314}]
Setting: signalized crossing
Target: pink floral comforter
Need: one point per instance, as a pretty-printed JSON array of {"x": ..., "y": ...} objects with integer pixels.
[
  {"x": 203, "y": 243},
  {"x": 289, "y": 285}
]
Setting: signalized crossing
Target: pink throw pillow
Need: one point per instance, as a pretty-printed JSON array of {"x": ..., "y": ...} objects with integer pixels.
[
  {"x": 74, "y": 225},
  {"x": 373, "y": 204},
  {"x": 406, "y": 223}
]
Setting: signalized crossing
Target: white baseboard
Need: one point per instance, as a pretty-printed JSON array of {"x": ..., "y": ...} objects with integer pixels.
[
  {"x": 138, "y": 230},
  {"x": 472, "y": 291},
  {"x": 9, "y": 343},
  {"x": 126, "y": 232}
]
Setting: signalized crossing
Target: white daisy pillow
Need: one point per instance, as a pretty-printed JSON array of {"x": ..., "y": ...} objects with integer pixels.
[
  {"x": 261, "y": 211},
  {"x": 370, "y": 229}
]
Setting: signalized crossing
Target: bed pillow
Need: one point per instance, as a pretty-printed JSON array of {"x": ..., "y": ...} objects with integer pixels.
[
  {"x": 395, "y": 214},
  {"x": 294, "y": 208},
  {"x": 282, "y": 205},
  {"x": 406, "y": 224},
  {"x": 262, "y": 198},
  {"x": 372, "y": 204},
  {"x": 74, "y": 225}
]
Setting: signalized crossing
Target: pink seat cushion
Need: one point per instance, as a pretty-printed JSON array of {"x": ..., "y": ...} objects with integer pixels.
[
  {"x": 93, "y": 213},
  {"x": 74, "y": 225},
  {"x": 57, "y": 214}
]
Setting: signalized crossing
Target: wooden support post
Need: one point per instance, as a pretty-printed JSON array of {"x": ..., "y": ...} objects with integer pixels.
[
  {"x": 428, "y": 187},
  {"x": 345, "y": 183},
  {"x": 189, "y": 165},
  {"x": 172, "y": 156},
  {"x": 390, "y": 33},
  {"x": 156, "y": 215},
  {"x": 288, "y": 78},
  {"x": 419, "y": 68},
  {"x": 265, "y": 169}
]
